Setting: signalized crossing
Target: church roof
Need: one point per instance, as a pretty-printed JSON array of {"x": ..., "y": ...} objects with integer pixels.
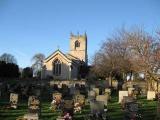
[
  {"x": 68, "y": 57},
  {"x": 71, "y": 57},
  {"x": 54, "y": 53}
]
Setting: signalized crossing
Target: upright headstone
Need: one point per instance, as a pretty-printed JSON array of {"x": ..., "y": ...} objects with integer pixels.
[
  {"x": 121, "y": 95},
  {"x": 151, "y": 95},
  {"x": 97, "y": 107},
  {"x": 130, "y": 91},
  {"x": 33, "y": 108},
  {"x": 68, "y": 107},
  {"x": 91, "y": 95},
  {"x": 96, "y": 90},
  {"x": 79, "y": 99},
  {"x": 132, "y": 106},
  {"x": 13, "y": 100},
  {"x": 103, "y": 98},
  {"x": 127, "y": 99},
  {"x": 58, "y": 97},
  {"x": 72, "y": 90},
  {"x": 33, "y": 104},
  {"x": 107, "y": 91}
]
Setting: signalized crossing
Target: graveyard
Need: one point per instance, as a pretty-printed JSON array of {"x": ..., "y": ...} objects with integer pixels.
[{"x": 89, "y": 101}]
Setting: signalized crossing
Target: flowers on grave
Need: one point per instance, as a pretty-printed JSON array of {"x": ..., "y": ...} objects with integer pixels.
[
  {"x": 67, "y": 116},
  {"x": 77, "y": 107},
  {"x": 53, "y": 105}
]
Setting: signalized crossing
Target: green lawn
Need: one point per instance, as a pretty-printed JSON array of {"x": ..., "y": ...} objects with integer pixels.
[{"x": 148, "y": 110}]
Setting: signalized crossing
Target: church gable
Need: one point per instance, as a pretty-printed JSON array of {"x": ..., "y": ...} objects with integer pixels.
[{"x": 57, "y": 55}]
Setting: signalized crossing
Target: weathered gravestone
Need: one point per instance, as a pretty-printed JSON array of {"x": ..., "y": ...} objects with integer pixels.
[
  {"x": 151, "y": 95},
  {"x": 68, "y": 107},
  {"x": 132, "y": 106},
  {"x": 97, "y": 107},
  {"x": 57, "y": 96},
  {"x": 83, "y": 90},
  {"x": 13, "y": 100},
  {"x": 96, "y": 90},
  {"x": 33, "y": 108},
  {"x": 130, "y": 91},
  {"x": 103, "y": 98},
  {"x": 33, "y": 104},
  {"x": 72, "y": 90},
  {"x": 121, "y": 95},
  {"x": 127, "y": 99},
  {"x": 107, "y": 91},
  {"x": 65, "y": 90},
  {"x": 132, "y": 111},
  {"x": 56, "y": 102},
  {"x": 79, "y": 99},
  {"x": 91, "y": 95}
]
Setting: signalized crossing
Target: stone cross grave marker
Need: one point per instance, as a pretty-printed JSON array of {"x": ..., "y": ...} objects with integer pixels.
[
  {"x": 13, "y": 100},
  {"x": 121, "y": 95},
  {"x": 151, "y": 95}
]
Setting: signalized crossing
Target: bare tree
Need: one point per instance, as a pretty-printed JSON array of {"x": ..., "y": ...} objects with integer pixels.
[
  {"x": 8, "y": 58},
  {"x": 129, "y": 52},
  {"x": 37, "y": 62},
  {"x": 112, "y": 59},
  {"x": 145, "y": 53}
]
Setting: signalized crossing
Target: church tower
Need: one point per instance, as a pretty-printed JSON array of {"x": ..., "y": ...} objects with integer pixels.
[{"x": 78, "y": 46}]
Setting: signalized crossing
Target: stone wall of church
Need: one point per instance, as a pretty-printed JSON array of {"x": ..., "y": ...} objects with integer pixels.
[
  {"x": 64, "y": 69},
  {"x": 74, "y": 73}
]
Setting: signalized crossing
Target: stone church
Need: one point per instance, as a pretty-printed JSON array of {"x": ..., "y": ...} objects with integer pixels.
[{"x": 63, "y": 66}]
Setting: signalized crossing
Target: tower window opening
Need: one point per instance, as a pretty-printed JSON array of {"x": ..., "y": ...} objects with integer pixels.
[{"x": 77, "y": 44}]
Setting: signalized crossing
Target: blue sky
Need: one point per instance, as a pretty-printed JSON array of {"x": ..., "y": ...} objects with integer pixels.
[{"x": 28, "y": 27}]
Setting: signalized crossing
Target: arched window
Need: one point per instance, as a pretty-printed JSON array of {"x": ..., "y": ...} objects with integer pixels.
[
  {"x": 77, "y": 44},
  {"x": 57, "y": 67}
]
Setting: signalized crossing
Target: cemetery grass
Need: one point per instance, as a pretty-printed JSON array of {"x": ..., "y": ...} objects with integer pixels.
[{"x": 147, "y": 109}]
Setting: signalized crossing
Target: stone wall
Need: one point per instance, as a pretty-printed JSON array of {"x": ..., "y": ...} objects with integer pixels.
[{"x": 67, "y": 82}]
